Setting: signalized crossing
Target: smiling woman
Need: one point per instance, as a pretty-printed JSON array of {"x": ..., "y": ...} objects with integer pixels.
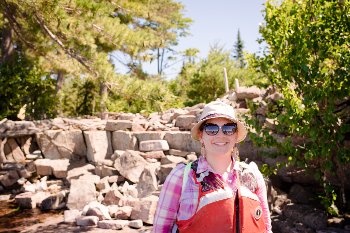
[{"x": 215, "y": 193}]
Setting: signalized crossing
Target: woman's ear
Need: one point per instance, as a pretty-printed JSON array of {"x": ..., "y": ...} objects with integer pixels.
[{"x": 200, "y": 135}]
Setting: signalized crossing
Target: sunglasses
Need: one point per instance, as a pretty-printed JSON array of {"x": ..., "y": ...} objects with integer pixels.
[{"x": 213, "y": 129}]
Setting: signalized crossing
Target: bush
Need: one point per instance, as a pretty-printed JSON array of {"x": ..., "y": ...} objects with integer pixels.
[
  {"x": 23, "y": 83},
  {"x": 307, "y": 61}
]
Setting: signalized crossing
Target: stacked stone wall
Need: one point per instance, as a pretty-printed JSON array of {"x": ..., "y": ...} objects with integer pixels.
[{"x": 108, "y": 173}]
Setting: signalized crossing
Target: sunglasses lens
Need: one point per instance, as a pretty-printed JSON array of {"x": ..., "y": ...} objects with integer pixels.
[
  {"x": 229, "y": 129},
  {"x": 211, "y": 129}
]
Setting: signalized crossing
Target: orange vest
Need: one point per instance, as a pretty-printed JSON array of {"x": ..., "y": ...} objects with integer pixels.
[{"x": 216, "y": 212}]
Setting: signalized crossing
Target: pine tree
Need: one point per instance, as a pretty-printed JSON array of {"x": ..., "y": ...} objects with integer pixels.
[
  {"x": 76, "y": 37},
  {"x": 238, "y": 50}
]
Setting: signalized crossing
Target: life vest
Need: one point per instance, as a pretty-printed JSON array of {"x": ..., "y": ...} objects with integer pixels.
[{"x": 218, "y": 206}]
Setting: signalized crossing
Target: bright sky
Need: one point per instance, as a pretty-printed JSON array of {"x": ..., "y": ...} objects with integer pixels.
[{"x": 217, "y": 22}]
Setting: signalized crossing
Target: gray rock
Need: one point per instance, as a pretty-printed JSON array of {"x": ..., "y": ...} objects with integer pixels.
[
  {"x": 149, "y": 135},
  {"x": 182, "y": 140},
  {"x": 95, "y": 208},
  {"x": 148, "y": 182},
  {"x": 71, "y": 215},
  {"x": 145, "y": 209},
  {"x": 9, "y": 179},
  {"x": 58, "y": 144},
  {"x": 122, "y": 140},
  {"x": 17, "y": 128},
  {"x": 82, "y": 192},
  {"x": 124, "y": 212},
  {"x": 99, "y": 146},
  {"x": 243, "y": 93},
  {"x": 15, "y": 151},
  {"x": 137, "y": 224},
  {"x": 130, "y": 165},
  {"x": 87, "y": 221},
  {"x": 185, "y": 121},
  {"x": 307, "y": 215},
  {"x": 115, "y": 125},
  {"x": 164, "y": 171},
  {"x": 154, "y": 145},
  {"x": 54, "y": 201},
  {"x": 30, "y": 200},
  {"x": 113, "y": 224},
  {"x": 172, "y": 159},
  {"x": 113, "y": 197}
]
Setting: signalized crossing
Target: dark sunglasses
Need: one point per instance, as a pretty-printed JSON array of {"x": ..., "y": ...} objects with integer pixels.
[{"x": 213, "y": 129}]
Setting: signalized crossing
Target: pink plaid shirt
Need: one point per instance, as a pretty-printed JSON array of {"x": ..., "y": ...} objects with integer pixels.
[{"x": 173, "y": 206}]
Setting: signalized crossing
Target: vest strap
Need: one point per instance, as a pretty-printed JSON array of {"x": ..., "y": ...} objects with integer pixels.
[{"x": 185, "y": 177}]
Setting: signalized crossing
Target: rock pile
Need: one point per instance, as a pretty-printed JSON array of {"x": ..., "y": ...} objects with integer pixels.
[{"x": 108, "y": 173}]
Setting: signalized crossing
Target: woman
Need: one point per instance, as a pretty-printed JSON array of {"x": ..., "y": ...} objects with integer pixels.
[{"x": 216, "y": 193}]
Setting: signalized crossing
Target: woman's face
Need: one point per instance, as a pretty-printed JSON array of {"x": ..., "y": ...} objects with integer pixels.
[{"x": 219, "y": 144}]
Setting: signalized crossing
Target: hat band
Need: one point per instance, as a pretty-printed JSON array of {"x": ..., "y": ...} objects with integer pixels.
[{"x": 217, "y": 115}]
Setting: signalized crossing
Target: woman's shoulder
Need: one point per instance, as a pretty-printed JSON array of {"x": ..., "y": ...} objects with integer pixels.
[
  {"x": 249, "y": 167},
  {"x": 250, "y": 175}
]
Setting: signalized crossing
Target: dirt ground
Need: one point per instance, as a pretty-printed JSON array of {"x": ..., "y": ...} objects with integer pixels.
[
  {"x": 14, "y": 220},
  {"x": 55, "y": 224}
]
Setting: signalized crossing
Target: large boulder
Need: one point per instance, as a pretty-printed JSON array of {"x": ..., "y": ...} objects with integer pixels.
[
  {"x": 145, "y": 209},
  {"x": 243, "y": 93},
  {"x": 148, "y": 182},
  {"x": 130, "y": 165},
  {"x": 115, "y": 125},
  {"x": 181, "y": 140},
  {"x": 56, "y": 167},
  {"x": 99, "y": 146},
  {"x": 58, "y": 144},
  {"x": 123, "y": 140},
  {"x": 185, "y": 121},
  {"x": 13, "y": 152},
  {"x": 154, "y": 145},
  {"x": 149, "y": 135},
  {"x": 82, "y": 192},
  {"x": 10, "y": 128},
  {"x": 307, "y": 215}
]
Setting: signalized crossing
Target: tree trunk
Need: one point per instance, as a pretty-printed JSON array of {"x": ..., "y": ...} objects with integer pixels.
[
  {"x": 104, "y": 95},
  {"x": 59, "y": 84},
  {"x": 7, "y": 48},
  {"x": 60, "y": 80}
]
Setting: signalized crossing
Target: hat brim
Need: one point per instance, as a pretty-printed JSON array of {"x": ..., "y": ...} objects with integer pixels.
[{"x": 241, "y": 129}]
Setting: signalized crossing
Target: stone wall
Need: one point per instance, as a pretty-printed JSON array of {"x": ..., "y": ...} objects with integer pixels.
[{"x": 108, "y": 173}]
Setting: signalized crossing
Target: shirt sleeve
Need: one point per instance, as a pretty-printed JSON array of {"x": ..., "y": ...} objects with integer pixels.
[
  {"x": 169, "y": 198},
  {"x": 262, "y": 195}
]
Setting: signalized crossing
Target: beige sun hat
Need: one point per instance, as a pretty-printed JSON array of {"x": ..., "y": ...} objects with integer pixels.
[{"x": 219, "y": 109}]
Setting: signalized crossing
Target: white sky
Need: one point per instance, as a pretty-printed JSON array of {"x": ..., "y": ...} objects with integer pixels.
[{"x": 217, "y": 22}]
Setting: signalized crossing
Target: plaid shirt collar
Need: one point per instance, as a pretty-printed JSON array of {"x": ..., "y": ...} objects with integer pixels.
[{"x": 203, "y": 165}]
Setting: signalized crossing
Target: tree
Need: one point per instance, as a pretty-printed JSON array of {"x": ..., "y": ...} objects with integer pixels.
[
  {"x": 308, "y": 61},
  {"x": 33, "y": 88},
  {"x": 75, "y": 37},
  {"x": 204, "y": 81},
  {"x": 238, "y": 50}
]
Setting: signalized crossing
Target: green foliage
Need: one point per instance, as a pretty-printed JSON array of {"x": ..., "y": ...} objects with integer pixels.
[
  {"x": 204, "y": 81},
  {"x": 23, "y": 83},
  {"x": 77, "y": 36},
  {"x": 238, "y": 51},
  {"x": 308, "y": 61},
  {"x": 142, "y": 96},
  {"x": 328, "y": 200},
  {"x": 79, "y": 96}
]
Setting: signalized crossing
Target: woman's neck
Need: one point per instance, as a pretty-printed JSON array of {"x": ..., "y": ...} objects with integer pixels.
[{"x": 220, "y": 164}]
